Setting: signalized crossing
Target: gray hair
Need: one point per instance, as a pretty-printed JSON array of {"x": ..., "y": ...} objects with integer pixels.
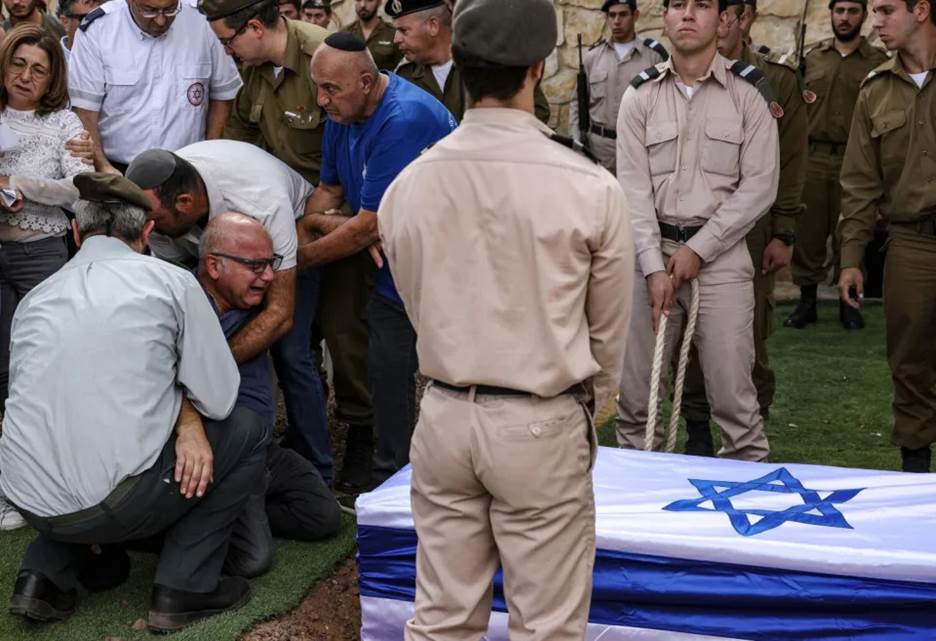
[
  {"x": 442, "y": 12},
  {"x": 121, "y": 220}
]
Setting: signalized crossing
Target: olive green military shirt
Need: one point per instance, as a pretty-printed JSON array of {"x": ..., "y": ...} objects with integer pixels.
[
  {"x": 834, "y": 81},
  {"x": 380, "y": 43},
  {"x": 279, "y": 112},
  {"x": 890, "y": 162},
  {"x": 453, "y": 94},
  {"x": 793, "y": 127},
  {"x": 49, "y": 23}
]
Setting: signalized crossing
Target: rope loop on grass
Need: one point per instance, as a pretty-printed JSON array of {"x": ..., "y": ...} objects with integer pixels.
[{"x": 656, "y": 375}]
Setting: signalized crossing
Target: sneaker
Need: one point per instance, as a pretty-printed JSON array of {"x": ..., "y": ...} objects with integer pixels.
[
  {"x": 346, "y": 503},
  {"x": 10, "y": 518}
]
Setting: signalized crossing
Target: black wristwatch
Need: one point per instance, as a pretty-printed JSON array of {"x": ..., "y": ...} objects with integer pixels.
[{"x": 787, "y": 237}]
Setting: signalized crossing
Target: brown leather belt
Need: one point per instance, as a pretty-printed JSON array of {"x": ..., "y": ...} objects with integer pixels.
[
  {"x": 493, "y": 390},
  {"x": 598, "y": 130}
]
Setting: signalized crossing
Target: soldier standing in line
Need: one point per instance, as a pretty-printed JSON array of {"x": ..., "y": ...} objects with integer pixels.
[
  {"x": 748, "y": 18},
  {"x": 889, "y": 170},
  {"x": 376, "y": 33},
  {"x": 834, "y": 70},
  {"x": 609, "y": 65}
]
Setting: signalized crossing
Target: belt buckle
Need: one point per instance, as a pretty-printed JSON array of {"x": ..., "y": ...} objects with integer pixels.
[{"x": 682, "y": 234}]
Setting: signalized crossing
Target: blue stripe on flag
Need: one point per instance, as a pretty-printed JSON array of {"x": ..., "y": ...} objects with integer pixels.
[{"x": 701, "y": 597}]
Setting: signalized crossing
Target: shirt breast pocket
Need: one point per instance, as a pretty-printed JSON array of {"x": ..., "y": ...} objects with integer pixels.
[
  {"x": 888, "y": 131},
  {"x": 662, "y": 146},
  {"x": 194, "y": 83},
  {"x": 721, "y": 152},
  {"x": 817, "y": 82},
  {"x": 120, "y": 87},
  {"x": 597, "y": 88}
]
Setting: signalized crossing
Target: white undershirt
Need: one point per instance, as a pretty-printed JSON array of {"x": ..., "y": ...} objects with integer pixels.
[
  {"x": 623, "y": 49},
  {"x": 277, "y": 71},
  {"x": 441, "y": 73},
  {"x": 919, "y": 78},
  {"x": 686, "y": 89}
]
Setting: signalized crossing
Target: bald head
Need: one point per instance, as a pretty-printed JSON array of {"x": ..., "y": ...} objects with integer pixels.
[
  {"x": 349, "y": 84},
  {"x": 227, "y": 231}
]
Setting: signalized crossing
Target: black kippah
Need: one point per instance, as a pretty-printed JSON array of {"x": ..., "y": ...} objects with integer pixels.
[{"x": 345, "y": 41}]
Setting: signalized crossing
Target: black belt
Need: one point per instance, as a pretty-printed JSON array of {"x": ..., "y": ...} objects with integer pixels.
[
  {"x": 926, "y": 226},
  {"x": 598, "y": 130},
  {"x": 679, "y": 234},
  {"x": 834, "y": 148},
  {"x": 493, "y": 390}
]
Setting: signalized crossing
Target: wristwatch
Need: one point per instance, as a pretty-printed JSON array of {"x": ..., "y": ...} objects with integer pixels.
[{"x": 787, "y": 237}]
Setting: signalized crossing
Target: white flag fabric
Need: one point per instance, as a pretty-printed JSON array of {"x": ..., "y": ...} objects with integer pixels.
[{"x": 696, "y": 549}]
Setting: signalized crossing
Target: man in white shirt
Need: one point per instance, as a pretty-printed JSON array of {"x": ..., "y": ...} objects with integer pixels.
[
  {"x": 148, "y": 74},
  {"x": 70, "y": 13}
]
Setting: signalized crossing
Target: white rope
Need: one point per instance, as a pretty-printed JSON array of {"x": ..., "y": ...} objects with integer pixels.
[{"x": 656, "y": 374}]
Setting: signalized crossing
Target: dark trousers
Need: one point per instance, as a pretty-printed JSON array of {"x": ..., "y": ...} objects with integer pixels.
[
  {"x": 392, "y": 366},
  {"x": 22, "y": 267},
  {"x": 299, "y": 504},
  {"x": 196, "y": 530},
  {"x": 299, "y": 379}
]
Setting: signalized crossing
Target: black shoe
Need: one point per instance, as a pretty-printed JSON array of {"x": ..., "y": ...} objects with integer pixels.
[
  {"x": 356, "y": 472},
  {"x": 35, "y": 597},
  {"x": 917, "y": 460},
  {"x": 805, "y": 311},
  {"x": 172, "y": 610},
  {"x": 104, "y": 568},
  {"x": 851, "y": 318},
  {"x": 699, "y": 442}
]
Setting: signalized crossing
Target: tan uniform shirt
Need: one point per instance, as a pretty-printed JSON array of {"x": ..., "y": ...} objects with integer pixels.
[
  {"x": 380, "y": 44},
  {"x": 279, "y": 112},
  {"x": 890, "y": 162},
  {"x": 834, "y": 80},
  {"x": 711, "y": 160},
  {"x": 506, "y": 278}
]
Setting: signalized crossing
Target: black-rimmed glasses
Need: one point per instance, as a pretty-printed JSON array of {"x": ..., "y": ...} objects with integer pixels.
[{"x": 256, "y": 265}]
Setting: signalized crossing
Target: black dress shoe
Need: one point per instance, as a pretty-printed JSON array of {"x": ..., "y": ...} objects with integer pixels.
[
  {"x": 104, "y": 568},
  {"x": 699, "y": 442},
  {"x": 172, "y": 610},
  {"x": 37, "y": 598},
  {"x": 851, "y": 318},
  {"x": 917, "y": 460},
  {"x": 802, "y": 315}
]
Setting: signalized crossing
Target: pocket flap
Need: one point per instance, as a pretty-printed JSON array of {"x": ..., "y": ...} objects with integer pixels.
[
  {"x": 724, "y": 130},
  {"x": 598, "y": 77},
  {"x": 658, "y": 132},
  {"x": 197, "y": 70},
  {"x": 888, "y": 121},
  {"x": 118, "y": 76}
]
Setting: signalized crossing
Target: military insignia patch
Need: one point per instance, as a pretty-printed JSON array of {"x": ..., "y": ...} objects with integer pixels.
[
  {"x": 775, "y": 109},
  {"x": 809, "y": 97},
  {"x": 396, "y": 6}
]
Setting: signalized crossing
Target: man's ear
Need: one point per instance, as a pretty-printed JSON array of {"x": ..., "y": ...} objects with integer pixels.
[
  {"x": 184, "y": 203},
  {"x": 75, "y": 235},
  {"x": 535, "y": 73},
  {"x": 432, "y": 24},
  {"x": 144, "y": 235}
]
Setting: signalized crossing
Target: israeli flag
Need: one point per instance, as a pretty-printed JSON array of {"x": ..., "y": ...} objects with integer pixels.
[{"x": 696, "y": 549}]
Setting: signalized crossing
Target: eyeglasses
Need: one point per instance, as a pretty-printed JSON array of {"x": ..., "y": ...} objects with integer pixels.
[
  {"x": 256, "y": 265},
  {"x": 18, "y": 67},
  {"x": 149, "y": 14},
  {"x": 226, "y": 42}
]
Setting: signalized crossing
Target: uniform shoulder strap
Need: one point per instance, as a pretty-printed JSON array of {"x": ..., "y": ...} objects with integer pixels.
[
  {"x": 647, "y": 74},
  {"x": 756, "y": 77},
  {"x": 650, "y": 43},
  {"x": 880, "y": 70},
  {"x": 91, "y": 17},
  {"x": 571, "y": 144},
  {"x": 600, "y": 42}
]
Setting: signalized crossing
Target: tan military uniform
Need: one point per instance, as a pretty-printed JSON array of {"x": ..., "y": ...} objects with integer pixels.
[
  {"x": 452, "y": 95},
  {"x": 608, "y": 78},
  {"x": 710, "y": 162},
  {"x": 542, "y": 311},
  {"x": 380, "y": 44},
  {"x": 890, "y": 169},
  {"x": 781, "y": 219},
  {"x": 832, "y": 86}
]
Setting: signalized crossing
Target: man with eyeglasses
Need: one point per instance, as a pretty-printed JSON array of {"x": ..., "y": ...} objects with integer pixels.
[
  {"x": 28, "y": 12},
  {"x": 70, "y": 14},
  {"x": 149, "y": 74},
  {"x": 200, "y": 181}
]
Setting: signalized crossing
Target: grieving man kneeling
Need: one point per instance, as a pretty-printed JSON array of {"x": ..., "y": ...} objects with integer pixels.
[{"x": 116, "y": 361}]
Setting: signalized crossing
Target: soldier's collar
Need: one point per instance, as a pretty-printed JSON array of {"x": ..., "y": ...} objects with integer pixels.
[
  {"x": 293, "y": 58},
  {"x": 718, "y": 70}
]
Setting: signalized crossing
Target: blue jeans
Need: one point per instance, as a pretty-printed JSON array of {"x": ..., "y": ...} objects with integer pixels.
[{"x": 299, "y": 379}]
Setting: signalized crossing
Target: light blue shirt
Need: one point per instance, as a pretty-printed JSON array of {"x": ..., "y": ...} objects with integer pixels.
[{"x": 101, "y": 353}]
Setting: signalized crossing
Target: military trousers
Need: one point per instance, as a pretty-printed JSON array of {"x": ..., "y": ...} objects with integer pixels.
[
  {"x": 695, "y": 406},
  {"x": 822, "y": 195},
  {"x": 910, "y": 317},
  {"x": 502, "y": 481},
  {"x": 724, "y": 339}
]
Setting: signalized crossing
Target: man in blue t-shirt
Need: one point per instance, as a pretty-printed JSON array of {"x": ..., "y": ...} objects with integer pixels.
[{"x": 377, "y": 124}]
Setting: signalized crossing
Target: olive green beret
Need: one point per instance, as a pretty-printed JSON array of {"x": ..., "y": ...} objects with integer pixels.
[
  {"x": 863, "y": 3},
  {"x": 397, "y": 8},
  {"x": 510, "y": 33},
  {"x": 217, "y": 9},
  {"x": 110, "y": 188}
]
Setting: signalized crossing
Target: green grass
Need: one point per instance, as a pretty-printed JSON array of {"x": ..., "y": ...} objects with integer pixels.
[{"x": 832, "y": 407}]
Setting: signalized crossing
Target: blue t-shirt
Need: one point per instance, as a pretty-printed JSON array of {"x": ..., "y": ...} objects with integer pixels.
[
  {"x": 364, "y": 158},
  {"x": 256, "y": 386}
]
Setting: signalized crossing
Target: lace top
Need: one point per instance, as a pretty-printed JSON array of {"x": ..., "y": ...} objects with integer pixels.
[{"x": 33, "y": 147}]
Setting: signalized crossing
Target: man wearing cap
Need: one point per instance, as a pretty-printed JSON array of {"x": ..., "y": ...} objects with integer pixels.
[
  {"x": 889, "y": 171},
  {"x": 378, "y": 123},
  {"x": 279, "y": 110},
  {"x": 120, "y": 426},
  {"x": 698, "y": 155},
  {"x": 377, "y": 33},
  {"x": 317, "y": 12},
  {"x": 834, "y": 70},
  {"x": 188, "y": 188},
  {"x": 748, "y": 18},
  {"x": 147, "y": 73},
  {"x": 424, "y": 35},
  {"x": 519, "y": 352},
  {"x": 770, "y": 242},
  {"x": 609, "y": 65}
]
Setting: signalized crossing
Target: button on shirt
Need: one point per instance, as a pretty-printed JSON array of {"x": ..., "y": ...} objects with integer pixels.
[
  {"x": 712, "y": 160},
  {"x": 149, "y": 92},
  {"x": 507, "y": 279},
  {"x": 243, "y": 178},
  {"x": 101, "y": 354}
]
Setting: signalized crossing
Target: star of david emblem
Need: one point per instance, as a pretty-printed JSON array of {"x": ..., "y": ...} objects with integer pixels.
[{"x": 815, "y": 509}]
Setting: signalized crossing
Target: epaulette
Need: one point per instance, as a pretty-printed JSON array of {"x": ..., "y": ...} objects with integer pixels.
[
  {"x": 650, "y": 43},
  {"x": 787, "y": 59},
  {"x": 879, "y": 71},
  {"x": 757, "y": 78},
  {"x": 597, "y": 44},
  {"x": 647, "y": 74},
  {"x": 574, "y": 145},
  {"x": 91, "y": 17}
]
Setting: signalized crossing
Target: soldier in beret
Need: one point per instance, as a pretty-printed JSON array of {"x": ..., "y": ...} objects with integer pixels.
[
  {"x": 119, "y": 424},
  {"x": 317, "y": 12},
  {"x": 504, "y": 447},
  {"x": 377, "y": 33}
]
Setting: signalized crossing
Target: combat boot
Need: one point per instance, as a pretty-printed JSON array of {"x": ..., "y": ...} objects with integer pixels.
[
  {"x": 805, "y": 312},
  {"x": 850, "y": 317},
  {"x": 917, "y": 460},
  {"x": 699, "y": 442},
  {"x": 357, "y": 470}
]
